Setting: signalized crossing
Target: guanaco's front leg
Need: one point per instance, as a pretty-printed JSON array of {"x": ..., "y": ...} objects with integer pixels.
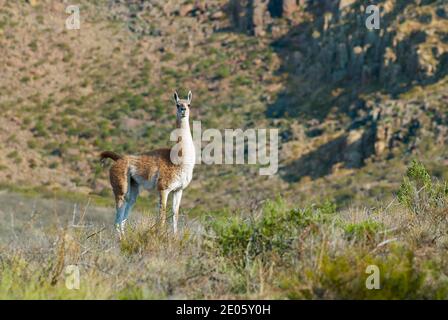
[
  {"x": 177, "y": 196},
  {"x": 163, "y": 198}
]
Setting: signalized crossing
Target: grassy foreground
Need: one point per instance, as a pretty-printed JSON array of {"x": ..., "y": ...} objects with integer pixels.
[{"x": 269, "y": 251}]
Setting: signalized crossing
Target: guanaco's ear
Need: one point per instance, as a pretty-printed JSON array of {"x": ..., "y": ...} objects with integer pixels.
[
  {"x": 176, "y": 96},
  {"x": 190, "y": 95}
]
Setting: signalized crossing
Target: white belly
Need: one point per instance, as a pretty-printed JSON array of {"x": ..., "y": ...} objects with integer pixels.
[{"x": 183, "y": 178}]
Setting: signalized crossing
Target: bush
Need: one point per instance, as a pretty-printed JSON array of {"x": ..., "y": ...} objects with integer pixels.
[
  {"x": 242, "y": 81},
  {"x": 418, "y": 192},
  {"x": 273, "y": 232},
  {"x": 223, "y": 72},
  {"x": 344, "y": 276},
  {"x": 136, "y": 102},
  {"x": 13, "y": 154},
  {"x": 168, "y": 56},
  {"x": 40, "y": 129},
  {"x": 365, "y": 230}
]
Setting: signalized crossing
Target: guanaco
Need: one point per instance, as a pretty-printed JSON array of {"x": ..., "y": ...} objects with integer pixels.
[{"x": 167, "y": 170}]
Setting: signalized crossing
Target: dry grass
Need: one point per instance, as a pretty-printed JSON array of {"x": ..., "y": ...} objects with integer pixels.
[{"x": 270, "y": 251}]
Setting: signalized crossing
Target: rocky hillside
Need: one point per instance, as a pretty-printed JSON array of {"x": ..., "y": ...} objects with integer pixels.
[{"x": 352, "y": 104}]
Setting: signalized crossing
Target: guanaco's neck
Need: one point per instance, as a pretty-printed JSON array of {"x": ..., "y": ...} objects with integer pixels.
[
  {"x": 186, "y": 141},
  {"x": 183, "y": 123}
]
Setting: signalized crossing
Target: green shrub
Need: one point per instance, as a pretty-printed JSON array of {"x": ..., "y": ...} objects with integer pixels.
[
  {"x": 418, "y": 192},
  {"x": 344, "y": 276},
  {"x": 223, "y": 72},
  {"x": 13, "y": 154},
  {"x": 40, "y": 129},
  {"x": 33, "y": 45},
  {"x": 53, "y": 165},
  {"x": 242, "y": 81},
  {"x": 275, "y": 231},
  {"x": 25, "y": 79},
  {"x": 168, "y": 56},
  {"x": 203, "y": 65},
  {"x": 365, "y": 230},
  {"x": 136, "y": 102}
]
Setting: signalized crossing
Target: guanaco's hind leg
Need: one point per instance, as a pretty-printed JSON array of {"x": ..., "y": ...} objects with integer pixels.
[
  {"x": 120, "y": 182},
  {"x": 132, "y": 197}
]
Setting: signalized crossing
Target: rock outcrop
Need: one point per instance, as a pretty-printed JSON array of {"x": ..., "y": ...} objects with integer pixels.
[{"x": 255, "y": 16}]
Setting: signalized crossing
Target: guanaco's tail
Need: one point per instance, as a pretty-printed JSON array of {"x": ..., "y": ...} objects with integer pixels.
[{"x": 109, "y": 154}]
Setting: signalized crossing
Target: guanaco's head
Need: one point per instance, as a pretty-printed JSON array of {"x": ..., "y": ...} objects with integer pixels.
[{"x": 183, "y": 105}]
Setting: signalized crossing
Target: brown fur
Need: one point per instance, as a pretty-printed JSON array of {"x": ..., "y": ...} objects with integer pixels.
[
  {"x": 109, "y": 154},
  {"x": 154, "y": 162},
  {"x": 157, "y": 160},
  {"x": 147, "y": 165}
]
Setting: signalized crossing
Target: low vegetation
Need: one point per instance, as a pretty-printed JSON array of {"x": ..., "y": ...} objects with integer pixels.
[{"x": 270, "y": 251}]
